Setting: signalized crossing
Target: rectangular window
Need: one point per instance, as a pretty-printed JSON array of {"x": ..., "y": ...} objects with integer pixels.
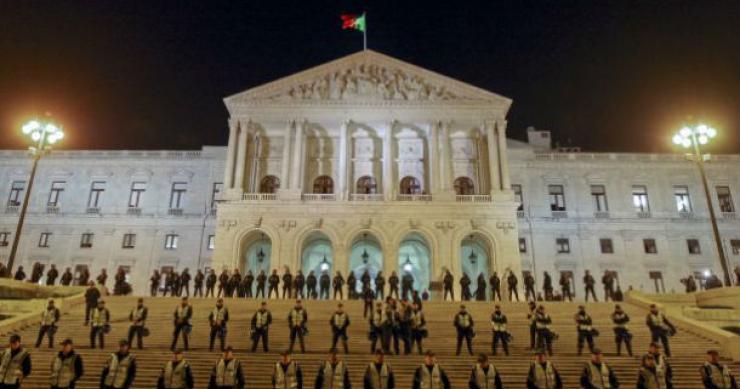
[
  {"x": 640, "y": 198},
  {"x": 563, "y": 245},
  {"x": 735, "y": 245},
  {"x": 211, "y": 242},
  {"x": 683, "y": 202},
  {"x": 86, "y": 241},
  {"x": 216, "y": 194},
  {"x": 693, "y": 246},
  {"x": 129, "y": 241},
  {"x": 170, "y": 242},
  {"x": 177, "y": 195},
  {"x": 522, "y": 245},
  {"x": 96, "y": 192},
  {"x": 4, "y": 236},
  {"x": 16, "y": 193},
  {"x": 57, "y": 187},
  {"x": 650, "y": 247},
  {"x": 724, "y": 197},
  {"x": 557, "y": 197},
  {"x": 137, "y": 193},
  {"x": 44, "y": 239},
  {"x": 518, "y": 196},
  {"x": 606, "y": 246},
  {"x": 598, "y": 195}
]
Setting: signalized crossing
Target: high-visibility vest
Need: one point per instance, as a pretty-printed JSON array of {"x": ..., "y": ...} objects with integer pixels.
[
  {"x": 339, "y": 319},
  {"x": 11, "y": 367},
  {"x": 285, "y": 379},
  {"x": 62, "y": 371},
  {"x": 543, "y": 321},
  {"x": 653, "y": 380},
  {"x": 618, "y": 319},
  {"x": 584, "y": 322},
  {"x": 333, "y": 375},
  {"x": 182, "y": 312},
  {"x": 296, "y": 316},
  {"x": 226, "y": 372},
  {"x": 719, "y": 375},
  {"x": 599, "y": 375},
  {"x": 544, "y": 377},
  {"x": 174, "y": 376},
  {"x": 118, "y": 370},
  {"x": 377, "y": 319},
  {"x": 498, "y": 322},
  {"x": 463, "y": 320},
  {"x": 379, "y": 379},
  {"x": 219, "y": 314},
  {"x": 98, "y": 317},
  {"x": 49, "y": 317},
  {"x": 261, "y": 318},
  {"x": 433, "y": 379},
  {"x": 485, "y": 379},
  {"x": 138, "y": 315},
  {"x": 417, "y": 319}
]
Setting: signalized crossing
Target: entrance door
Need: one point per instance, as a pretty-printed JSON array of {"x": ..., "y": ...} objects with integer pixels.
[
  {"x": 78, "y": 271},
  {"x": 164, "y": 271},
  {"x": 657, "y": 278}
]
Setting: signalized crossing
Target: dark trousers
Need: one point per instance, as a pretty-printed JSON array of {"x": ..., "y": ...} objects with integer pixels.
[
  {"x": 324, "y": 292},
  {"x": 405, "y": 335},
  {"x": 341, "y": 293},
  {"x": 393, "y": 291},
  {"x": 450, "y": 292},
  {"x": 529, "y": 291},
  {"x": 216, "y": 332},
  {"x": 137, "y": 331},
  {"x": 97, "y": 332},
  {"x": 263, "y": 335},
  {"x": 513, "y": 292},
  {"x": 296, "y": 332},
  {"x": 368, "y": 307},
  {"x": 209, "y": 290},
  {"x": 248, "y": 291},
  {"x": 663, "y": 337},
  {"x": 608, "y": 294},
  {"x": 198, "y": 291},
  {"x": 532, "y": 336},
  {"x": 260, "y": 291},
  {"x": 377, "y": 336},
  {"x": 179, "y": 329},
  {"x": 45, "y": 330},
  {"x": 153, "y": 290},
  {"x": 405, "y": 290},
  {"x": 587, "y": 337},
  {"x": 299, "y": 292},
  {"x": 88, "y": 310},
  {"x": 567, "y": 294},
  {"x": 496, "y": 292},
  {"x": 379, "y": 293},
  {"x": 186, "y": 288},
  {"x": 544, "y": 341},
  {"x": 273, "y": 288},
  {"x": 221, "y": 290},
  {"x": 622, "y": 336},
  {"x": 417, "y": 338},
  {"x": 499, "y": 336},
  {"x": 287, "y": 290},
  {"x": 468, "y": 336},
  {"x": 390, "y": 335},
  {"x": 339, "y": 335},
  {"x": 590, "y": 289}
]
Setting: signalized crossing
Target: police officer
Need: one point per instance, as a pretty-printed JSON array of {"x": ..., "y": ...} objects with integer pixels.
[
  {"x": 621, "y": 332},
  {"x": 272, "y": 283},
  {"x": 531, "y": 316},
  {"x": 261, "y": 321},
  {"x": 393, "y": 285},
  {"x": 377, "y": 319},
  {"x": 588, "y": 283},
  {"x": 66, "y": 367},
  {"x": 287, "y": 373},
  {"x": 596, "y": 374},
  {"x": 182, "y": 315},
  {"x": 649, "y": 377},
  {"x": 218, "y": 318},
  {"x": 500, "y": 334},
  {"x": 545, "y": 335},
  {"x": 447, "y": 282},
  {"x": 185, "y": 282},
  {"x": 339, "y": 323},
  {"x": 715, "y": 375},
  {"x": 529, "y": 293},
  {"x": 92, "y": 295},
  {"x": 223, "y": 283},
  {"x": 608, "y": 281},
  {"x": 380, "y": 285},
  {"x": 368, "y": 297},
  {"x": 495, "y": 282},
  {"x": 547, "y": 286},
  {"x": 137, "y": 317},
  {"x": 405, "y": 316},
  {"x": 297, "y": 319},
  {"x": 430, "y": 374},
  {"x": 338, "y": 283},
  {"x": 15, "y": 364},
  {"x": 366, "y": 280},
  {"x": 211, "y": 283},
  {"x": 660, "y": 327},
  {"x": 333, "y": 374},
  {"x": 247, "y": 283},
  {"x": 234, "y": 282},
  {"x": 261, "y": 282},
  {"x": 67, "y": 277},
  {"x": 99, "y": 324},
  {"x": 311, "y": 283},
  {"x": 481, "y": 288},
  {"x": 379, "y": 374},
  {"x": 484, "y": 375},
  {"x": 351, "y": 286},
  {"x": 227, "y": 373},
  {"x": 176, "y": 373},
  {"x": 154, "y": 281},
  {"x": 324, "y": 285},
  {"x": 287, "y": 284},
  {"x": 49, "y": 320},
  {"x": 465, "y": 287},
  {"x": 543, "y": 374},
  {"x": 418, "y": 328},
  {"x": 464, "y": 325},
  {"x": 565, "y": 287},
  {"x": 584, "y": 326},
  {"x": 391, "y": 328},
  {"x": 512, "y": 283},
  {"x": 119, "y": 370},
  {"x": 407, "y": 285},
  {"x": 198, "y": 283},
  {"x": 661, "y": 363}
]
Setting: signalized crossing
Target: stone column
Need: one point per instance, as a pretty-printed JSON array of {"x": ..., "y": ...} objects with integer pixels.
[
  {"x": 230, "y": 154},
  {"x": 284, "y": 168},
  {"x": 446, "y": 176},
  {"x": 492, "y": 146},
  {"x": 388, "y": 181},
  {"x": 297, "y": 156},
  {"x": 241, "y": 159},
  {"x": 433, "y": 163},
  {"x": 502, "y": 154},
  {"x": 343, "y": 162}
]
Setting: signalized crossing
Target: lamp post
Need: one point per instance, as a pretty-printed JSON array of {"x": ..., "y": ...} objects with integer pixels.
[
  {"x": 694, "y": 138},
  {"x": 43, "y": 134}
]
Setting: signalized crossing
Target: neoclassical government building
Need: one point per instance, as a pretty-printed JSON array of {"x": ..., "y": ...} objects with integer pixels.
[{"x": 371, "y": 163}]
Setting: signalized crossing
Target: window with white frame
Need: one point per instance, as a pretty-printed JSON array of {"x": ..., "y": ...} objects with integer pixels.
[
  {"x": 557, "y": 197},
  {"x": 4, "y": 237},
  {"x": 55, "y": 195},
  {"x": 693, "y": 246},
  {"x": 607, "y": 247},
  {"x": 562, "y": 245},
  {"x": 522, "y": 245},
  {"x": 598, "y": 196},
  {"x": 640, "y": 198},
  {"x": 650, "y": 246},
  {"x": 177, "y": 196},
  {"x": 683, "y": 201},
  {"x": 86, "y": 240},
  {"x": 137, "y": 193},
  {"x": 518, "y": 196},
  {"x": 724, "y": 198},
  {"x": 170, "y": 241},
  {"x": 96, "y": 193},
  {"x": 211, "y": 242},
  {"x": 16, "y": 193},
  {"x": 129, "y": 241},
  {"x": 45, "y": 239}
]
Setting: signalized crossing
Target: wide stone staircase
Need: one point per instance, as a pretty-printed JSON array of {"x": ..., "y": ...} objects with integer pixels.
[{"x": 688, "y": 348}]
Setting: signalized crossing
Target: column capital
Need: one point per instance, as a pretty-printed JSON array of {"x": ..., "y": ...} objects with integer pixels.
[{"x": 233, "y": 124}]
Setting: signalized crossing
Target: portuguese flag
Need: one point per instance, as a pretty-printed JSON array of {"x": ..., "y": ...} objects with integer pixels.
[{"x": 353, "y": 22}]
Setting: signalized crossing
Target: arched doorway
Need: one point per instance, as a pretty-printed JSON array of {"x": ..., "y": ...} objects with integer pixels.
[
  {"x": 366, "y": 255},
  {"x": 475, "y": 259},
  {"x": 317, "y": 254},
  {"x": 366, "y": 185},
  {"x": 257, "y": 253},
  {"x": 269, "y": 184},
  {"x": 414, "y": 259},
  {"x": 323, "y": 185},
  {"x": 410, "y": 186},
  {"x": 464, "y": 186}
]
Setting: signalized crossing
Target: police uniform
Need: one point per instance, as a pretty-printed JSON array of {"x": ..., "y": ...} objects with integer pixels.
[
  {"x": 287, "y": 376},
  {"x": 15, "y": 365},
  {"x": 138, "y": 322},
  {"x": 227, "y": 374},
  {"x": 465, "y": 287},
  {"x": 260, "y": 328},
  {"x": 332, "y": 376},
  {"x": 660, "y": 329},
  {"x": 589, "y": 282},
  {"x": 379, "y": 376},
  {"x": 98, "y": 321},
  {"x": 484, "y": 378},
  {"x": 543, "y": 376},
  {"x": 218, "y": 319},
  {"x": 500, "y": 334},
  {"x": 652, "y": 378},
  {"x": 464, "y": 325},
  {"x": 717, "y": 376},
  {"x": 544, "y": 334},
  {"x": 418, "y": 329},
  {"x": 598, "y": 376},
  {"x": 621, "y": 332},
  {"x": 49, "y": 319},
  {"x": 376, "y": 330},
  {"x": 584, "y": 326},
  {"x": 119, "y": 371},
  {"x": 339, "y": 323},
  {"x": 297, "y": 319},
  {"x": 182, "y": 317},
  {"x": 66, "y": 369},
  {"x": 176, "y": 375},
  {"x": 431, "y": 377}
]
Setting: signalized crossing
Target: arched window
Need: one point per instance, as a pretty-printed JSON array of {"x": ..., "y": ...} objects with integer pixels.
[
  {"x": 366, "y": 185},
  {"x": 410, "y": 185},
  {"x": 269, "y": 184},
  {"x": 464, "y": 186},
  {"x": 323, "y": 185}
]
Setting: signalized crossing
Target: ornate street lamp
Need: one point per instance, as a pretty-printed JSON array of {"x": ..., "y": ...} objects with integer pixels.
[
  {"x": 261, "y": 253},
  {"x": 473, "y": 257},
  {"x": 365, "y": 256},
  {"x": 43, "y": 134},
  {"x": 694, "y": 138},
  {"x": 324, "y": 266},
  {"x": 407, "y": 266}
]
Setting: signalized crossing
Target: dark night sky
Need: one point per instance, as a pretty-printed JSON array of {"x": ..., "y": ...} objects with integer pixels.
[{"x": 609, "y": 75}]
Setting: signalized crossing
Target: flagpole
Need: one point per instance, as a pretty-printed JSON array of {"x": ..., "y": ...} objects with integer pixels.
[{"x": 364, "y": 32}]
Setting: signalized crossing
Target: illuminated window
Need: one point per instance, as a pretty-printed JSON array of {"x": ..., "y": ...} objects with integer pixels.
[{"x": 557, "y": 197}]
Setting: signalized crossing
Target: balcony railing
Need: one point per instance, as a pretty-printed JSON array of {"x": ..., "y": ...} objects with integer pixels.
[
  {"x": 260, "y": 196},
  {"x": 93, "y": 210},
  {"x": 12, "y": 209},
  {"x": 601, "y": 214},
  {"x": 473, "y": 198},
  {"x": 643, "y": 214},
  {"x": 319, "y": 197},
  {"x": 174, "y": 211},
  {"x": 728, "y": 215},
  {"x": 414, "y": 197},
  {"x": 559, "y": 214},
  {"x": 133, "y": 211},
  {"x": 365, "y": 197},
  {"x": 52, "y": 209}
]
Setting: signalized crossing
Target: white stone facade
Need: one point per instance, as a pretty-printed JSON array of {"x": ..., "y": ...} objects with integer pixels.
[{"x": 371, "y": 163}]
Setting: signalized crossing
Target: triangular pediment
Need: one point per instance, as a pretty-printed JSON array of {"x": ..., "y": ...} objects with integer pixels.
[{"x": 366, "y": 76}]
